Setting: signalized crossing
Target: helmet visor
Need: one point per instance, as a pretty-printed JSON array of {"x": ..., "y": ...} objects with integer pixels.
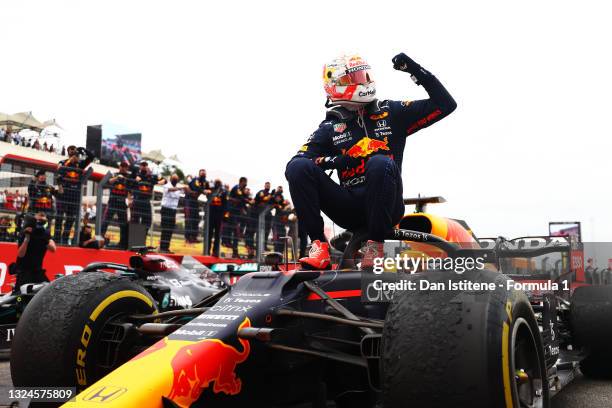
[{"x": 356, "y": 76}]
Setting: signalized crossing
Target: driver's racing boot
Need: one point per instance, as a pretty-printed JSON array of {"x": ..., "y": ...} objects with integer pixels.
[
  {"x": 370, "y": 251},
  {"x": 318, "y": 256}
]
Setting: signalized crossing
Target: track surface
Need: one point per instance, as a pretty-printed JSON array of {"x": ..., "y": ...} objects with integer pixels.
[{"x": 581, "y": 393}]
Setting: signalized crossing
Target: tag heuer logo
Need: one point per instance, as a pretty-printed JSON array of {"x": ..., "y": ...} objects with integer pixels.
[{"x": 339, "y": 127}]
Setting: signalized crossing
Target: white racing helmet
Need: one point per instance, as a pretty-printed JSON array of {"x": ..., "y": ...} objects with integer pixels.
[{"x": 347, "y": 81}]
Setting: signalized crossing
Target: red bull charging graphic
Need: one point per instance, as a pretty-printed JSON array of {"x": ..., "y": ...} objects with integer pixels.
[{"x": 366, "y": 146}]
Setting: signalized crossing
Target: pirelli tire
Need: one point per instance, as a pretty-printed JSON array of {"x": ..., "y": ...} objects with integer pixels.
[
  {"x": 57, "y": 340},
  {"x": 453, "y": 348},
  {"x": 591, "y": 323}
]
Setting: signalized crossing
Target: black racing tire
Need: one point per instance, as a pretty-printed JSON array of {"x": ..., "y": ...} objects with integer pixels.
[
  {"x": 356, "y": 399},
  {"x": 351, "y": 255},
  {"x": 57, "y": 340},
  {"x": 591, "y": 323},
  {"x": 454, "y": 348}
]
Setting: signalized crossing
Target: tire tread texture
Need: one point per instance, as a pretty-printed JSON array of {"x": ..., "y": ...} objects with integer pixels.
[
  {"x": 45, "y": 327},
  {"x": 433, "y": 341},
  {"x": 591, "y": 323}
]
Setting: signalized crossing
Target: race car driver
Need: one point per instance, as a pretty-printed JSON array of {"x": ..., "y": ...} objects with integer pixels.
[{"x": 363, "y": 139}]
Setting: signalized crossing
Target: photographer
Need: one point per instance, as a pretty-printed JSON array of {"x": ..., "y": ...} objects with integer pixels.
[
  {"x": 87, "y": 239},
  {"x": 69, "y": 175},
  {"x": 33, "y": 243}
]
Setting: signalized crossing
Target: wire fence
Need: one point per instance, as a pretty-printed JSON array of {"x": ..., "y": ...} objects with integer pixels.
[{"x": 120, "y": 211}]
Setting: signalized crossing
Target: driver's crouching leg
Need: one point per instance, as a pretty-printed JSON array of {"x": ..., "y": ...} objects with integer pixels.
[
  {"x": 384, "y": 201},
  {"x": 304, "y": 183}
]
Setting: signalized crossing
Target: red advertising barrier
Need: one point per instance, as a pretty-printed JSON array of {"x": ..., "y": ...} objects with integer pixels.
[{"x": 69, "y": 260}]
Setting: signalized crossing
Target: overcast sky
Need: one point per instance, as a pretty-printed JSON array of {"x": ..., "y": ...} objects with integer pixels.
[{"x": 236, "y": 86}]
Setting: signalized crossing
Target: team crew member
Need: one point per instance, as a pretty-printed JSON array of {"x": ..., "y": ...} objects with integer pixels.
[
  {"x": 86, "y": 238},
  {"x": 218, "y": 206},
  {"x": 40, "y": 194},
  {"x": 363, "y": 139},
  {"x": 197, "y": 185},
  {"x": 33, "y": 243},
  {"x": 280, "y": 221},
  {"x": 69, "y": 179},
  {"x": 144, "y": 182},
  {"x": 120, "y": 185},
  {"x": 170, "y": 200},
  {"x": 237, "y": 202},
  {"x": 263, "y": 199},
  {"x": 249, "y": 223}
]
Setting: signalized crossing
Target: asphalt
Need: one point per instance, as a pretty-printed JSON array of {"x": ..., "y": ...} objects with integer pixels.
[{"x": 581, "y": 393}]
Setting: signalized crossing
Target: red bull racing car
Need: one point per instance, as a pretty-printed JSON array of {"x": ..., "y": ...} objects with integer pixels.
[{"x": 467, "y": 337}]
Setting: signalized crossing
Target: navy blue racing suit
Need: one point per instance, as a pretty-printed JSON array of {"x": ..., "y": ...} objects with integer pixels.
[{"x": 366, "y": 148}]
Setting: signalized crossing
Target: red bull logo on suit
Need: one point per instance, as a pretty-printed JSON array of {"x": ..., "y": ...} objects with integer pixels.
[{"x": 366, "y": 146}]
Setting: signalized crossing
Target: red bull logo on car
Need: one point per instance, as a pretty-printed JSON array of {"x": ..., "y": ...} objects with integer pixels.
[
  {"x": 179, "y": 370},
  {"x": 366, "y": 146},
  {"x": 198, "y": 365}
]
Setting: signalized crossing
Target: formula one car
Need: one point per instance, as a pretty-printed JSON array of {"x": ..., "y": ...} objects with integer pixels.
[
  {"x": 12, "y": 306},
  {"x": 285, "y": 337},
  {"x": 178, "y": 287}
]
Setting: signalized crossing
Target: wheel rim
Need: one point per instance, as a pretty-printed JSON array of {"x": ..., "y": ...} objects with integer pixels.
[
  {"x": 110, "y": 342},
  {"x": 528, "y": 378}
]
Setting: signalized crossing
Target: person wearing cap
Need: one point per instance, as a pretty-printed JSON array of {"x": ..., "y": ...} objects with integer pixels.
[
  {"x": 218, "y": 206},
  {"x": 142, "y": 193},
  {"x": 263, "y": 199},
  {"x": 172, "y": 194},
  {"x": 280, "y": 220},
  {"x": 196, "y": 187},
  {"x": 32, "y": 244},
  {"x": 41, "y": 194},
  {"x": 120, "y": 185},
  {"x": 87, "y": 238},
  {"x": 237, "y": 201},
  {"x": 69, "y": 179}
]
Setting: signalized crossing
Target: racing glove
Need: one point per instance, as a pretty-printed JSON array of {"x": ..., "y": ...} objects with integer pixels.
[
  {"x": 336, "y": 162},
  {"x": 404, "y": 63}
]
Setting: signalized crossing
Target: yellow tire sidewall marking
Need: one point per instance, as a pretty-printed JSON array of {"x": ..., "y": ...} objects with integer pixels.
[{"x": 116, "y": 296}]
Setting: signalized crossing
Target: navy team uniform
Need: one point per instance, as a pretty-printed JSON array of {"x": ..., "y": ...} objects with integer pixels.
[
  {"x": 117, "y": 206},
  {"x": 218, "y": 205},
  {"x": 69, "y": 177},
  {"x": 141, "y": 205},
  {"x": 41, "y": 197},
  {"x": 262, "y": 201},
  {"x": 197, "y": 186},
  {"x": 366, "y": 149},
  {"x": 236, "y": 206}
]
